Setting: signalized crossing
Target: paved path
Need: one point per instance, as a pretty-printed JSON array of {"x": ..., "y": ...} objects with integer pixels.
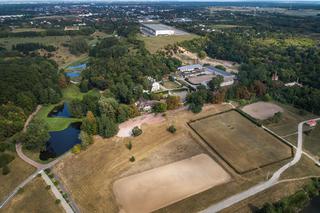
[
  {"x": 264, "y": 185},
  {"x": 56, "y": 193}
]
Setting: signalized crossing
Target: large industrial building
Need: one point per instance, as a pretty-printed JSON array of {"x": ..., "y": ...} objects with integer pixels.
[{"x": 155, "y": 29}]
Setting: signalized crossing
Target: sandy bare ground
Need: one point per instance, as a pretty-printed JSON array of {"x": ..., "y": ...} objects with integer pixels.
[
  {"x": 262, "y": 110},
  {"x": 188, "y": 57},
  {"x": 159, "y": 187},
  {"x": 125, "y": 128}
]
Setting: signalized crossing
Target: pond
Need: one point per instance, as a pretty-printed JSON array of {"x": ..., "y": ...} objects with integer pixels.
[
  {"x": 60, "y": 111},
  {"x": 75, "y": 71},
  {"x": 61, "y": 141},
  {"x": 72, "y": 74},
  {"x": 313, "y": 207}
]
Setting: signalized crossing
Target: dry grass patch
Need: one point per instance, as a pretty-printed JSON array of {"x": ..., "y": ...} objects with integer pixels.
[
  {"x": 34, "y": 198},
  {"x": 262, "y": 110},
  {"x": 19, "y": 171},
  {"x": 89, "y": 176},
  {"x": 230, "y": 134}
]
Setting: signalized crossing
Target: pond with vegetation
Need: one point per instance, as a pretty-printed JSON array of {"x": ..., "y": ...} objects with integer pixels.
[{"x": 61, "y": 141}]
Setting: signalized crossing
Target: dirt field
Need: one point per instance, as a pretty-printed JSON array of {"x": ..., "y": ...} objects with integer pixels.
[
  {"x": 187, "y": 57},
  {"x": 89, "y": 176},
  {"x": 262, "y": 110},
  {"x": 159, "y": 187},
  {"x": 199, "y": 79},
  {"x": 19, "y": 171},
  {"x": 34, "y": 198},
  {"x": 153, "y": 44},
  {"x": 257, "y": 147}
]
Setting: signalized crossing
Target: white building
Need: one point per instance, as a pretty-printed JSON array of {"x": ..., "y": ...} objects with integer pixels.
[
  {"x": 156, "y": 29},
  {"x": 155, "y": 87},
  {"x": 189, "y": 68}
]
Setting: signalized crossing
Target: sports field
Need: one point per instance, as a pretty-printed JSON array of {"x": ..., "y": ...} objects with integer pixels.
[
  {"x": 243, "y": 145},
  {"x": 159, "y": 187}
]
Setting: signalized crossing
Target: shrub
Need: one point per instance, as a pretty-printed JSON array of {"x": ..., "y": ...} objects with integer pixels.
[
  {"x": 267, "y": 98},
  {"x": 47, "y": 171},
  {"x": 5, "y": 170},
  {"x": 57, "y": 201},
  {"x": 51, "y": 176},
  {"x": 132, "y": 159},
  {"x": 5, "y": 159},
  {"x": 172, "y": 129},
  {"x": 20, "y": 190},
  {"x": 129, "y": 145},
  {"x": 136, "y": 131},
  {"x": 55, "y": 182},
  {"x": 48, "y": 187},
  {"x": 76, "y": 149},
  {"x": 159, "y": 107}
]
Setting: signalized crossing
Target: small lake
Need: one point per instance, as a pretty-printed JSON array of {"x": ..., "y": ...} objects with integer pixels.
[
  {"x": 60, "y": 111},
  {"x": 62, "y": 141},
  {"x": 314, "y": 206}
]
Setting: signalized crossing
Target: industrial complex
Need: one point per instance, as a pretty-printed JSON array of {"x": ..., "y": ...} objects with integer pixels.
[{"x": 156, "y": 29}]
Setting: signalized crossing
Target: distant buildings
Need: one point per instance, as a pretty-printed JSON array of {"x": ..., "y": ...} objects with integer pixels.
[
  {"x": 196, "y": 75},
  {"x": 71, "y": 28}
]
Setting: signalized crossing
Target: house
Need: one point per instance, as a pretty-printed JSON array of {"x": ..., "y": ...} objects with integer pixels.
[
  {"x": 155, "y": 87},
  {"x": 228, "y": 78},
  {"x": 312, "y": 123},
  {"x": 190, "y": 68}
]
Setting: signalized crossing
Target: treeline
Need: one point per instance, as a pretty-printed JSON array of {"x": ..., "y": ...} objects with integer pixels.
[
  {"x": 295, "y": 202},
  {"x": 25, "y": 83},
  {"x": 49, "y": 32},
  {"x": 29, "y": 47}
]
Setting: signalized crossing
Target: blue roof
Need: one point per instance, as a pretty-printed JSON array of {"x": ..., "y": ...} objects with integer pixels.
[
  {"x": 79, "y": 66},
  {"x": 219, "y": 72}
]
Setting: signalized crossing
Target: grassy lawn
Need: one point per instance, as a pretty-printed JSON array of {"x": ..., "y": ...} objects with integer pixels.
[
  {"x": 34, "y": 198},
  {"x": 153, "y": 44},
  {"x": 171, "y": 85},
  {"x": 58, "y": 123},
  {"x": 19, "y": 171},
  {"x": 312, "y": 141}
]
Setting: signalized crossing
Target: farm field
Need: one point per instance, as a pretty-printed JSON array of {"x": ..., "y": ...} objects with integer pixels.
[
  {"x": 258, "y": 147},
  {"x": 34, "y": 198},
  {"x": 288, "y": 124},
  {"x": 89, "y": 176},
  {"x": 19, "y": 171},
  {"x": 153, "y": 44},
  {"x": 162, "y": 186}
]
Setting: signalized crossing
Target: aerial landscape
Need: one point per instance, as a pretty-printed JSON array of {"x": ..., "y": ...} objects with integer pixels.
[{"x": 159, "y": 106}]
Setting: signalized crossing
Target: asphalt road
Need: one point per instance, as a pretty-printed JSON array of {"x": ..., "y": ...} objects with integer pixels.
[{"x": 264, "y": 185}]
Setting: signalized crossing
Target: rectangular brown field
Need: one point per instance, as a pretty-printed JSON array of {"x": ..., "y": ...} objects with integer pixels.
[
  {"x": 242, "y": 144},
  {"x": 159, "y": 187}
]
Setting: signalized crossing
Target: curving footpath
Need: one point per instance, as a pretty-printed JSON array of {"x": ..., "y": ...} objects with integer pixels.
[{"x": 264, "y": 185}]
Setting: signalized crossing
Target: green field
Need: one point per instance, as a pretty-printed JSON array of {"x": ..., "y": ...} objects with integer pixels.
[
  {"x": 59, "y": 123},
  {"x": 229, "y": 134},
  {"x": 294, "y": 41},
  {"x": 155, "y": 43}
]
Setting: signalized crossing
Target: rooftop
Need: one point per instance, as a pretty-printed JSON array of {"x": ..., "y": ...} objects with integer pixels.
[
  {"x": 158, "y": 26},
  {"x": 219, "y": 72}
]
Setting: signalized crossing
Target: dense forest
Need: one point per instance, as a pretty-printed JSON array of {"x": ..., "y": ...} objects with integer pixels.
[{"x": 25, "y": 83}]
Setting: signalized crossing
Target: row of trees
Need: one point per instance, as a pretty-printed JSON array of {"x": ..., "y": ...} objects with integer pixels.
[{"x": 29, "y": 47}]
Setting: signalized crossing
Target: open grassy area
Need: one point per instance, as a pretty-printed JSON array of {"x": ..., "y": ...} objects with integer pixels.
[
  {"x": 312, "y": 141},
  {"x": 59, "y": 123},
  {"x": 294, "y": 41},
  {"x": 34, "y": 198},
  {"x": 171, "y": 85},
  {"x": 153, "y": 44},
  {"x": 19, "y": 171},
  {"x": 257, "y": 147}
]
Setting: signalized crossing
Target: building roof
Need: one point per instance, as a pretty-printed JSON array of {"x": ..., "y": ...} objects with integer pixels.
[
  {"x": 190, "y": 67},
  {"x": 158, "y": 26},
  {"x": 219, "y": 72}
]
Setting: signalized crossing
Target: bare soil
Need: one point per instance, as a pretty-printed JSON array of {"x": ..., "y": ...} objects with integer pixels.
[
  {"x": 262, "y": 110},
  {"x": 159, "y": 187}
]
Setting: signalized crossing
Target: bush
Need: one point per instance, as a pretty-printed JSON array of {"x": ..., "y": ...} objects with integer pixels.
[
  {"x": 5, "y": 159},
  {"x": 129, "y": 145},
  {"x": 20, "y": 190},
  {"x": 132, "y": 159},
  {"x": 172, "y": 129},
  {"x": 57, "y": 201},
  {"x": 267, "y": 98},
  {"x": 136, "y": 131},
  {"x": 55, "y": 182},
  {"x": 159, "y": 107},
  {"x": 76, "y": 149},
  {"x": 5, "y": 170},
  {"x": 48, "y": 187}
]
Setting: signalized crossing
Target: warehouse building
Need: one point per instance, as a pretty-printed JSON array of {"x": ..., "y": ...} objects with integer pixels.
[{"x": 157, "y": 29}]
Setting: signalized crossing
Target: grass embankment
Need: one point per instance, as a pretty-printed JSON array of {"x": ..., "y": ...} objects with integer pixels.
[
  {"x": 19, "y": 170},
  {"x": 59, "y": 123},
  {"x": 153, "y": 44},
  {"x": 34, "y": 198}
]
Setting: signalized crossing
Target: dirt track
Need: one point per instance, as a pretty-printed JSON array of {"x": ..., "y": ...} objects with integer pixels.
[
  {"x": 159, "y": 187},
  {"x": 262, "y": 110}
]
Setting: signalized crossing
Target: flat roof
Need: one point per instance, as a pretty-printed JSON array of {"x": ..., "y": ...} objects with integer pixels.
[
  {"x": 219, "y": 72},
  {"x": 191, "y": 67},
  {"x": 158, "y": 26}
]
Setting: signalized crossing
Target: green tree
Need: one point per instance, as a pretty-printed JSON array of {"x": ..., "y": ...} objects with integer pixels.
[
  {"x": 215, "y": 83},
  {"x": 173, "y": 102},
  {"x": 86, "y": 139},
  {"x": 89, "y": 124},
  {"x": 159, "y": 107},
  {"x": 202, "y": 54},
  {"x": 36, "y": 136},
  {"x": 107, "y": 127}
]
